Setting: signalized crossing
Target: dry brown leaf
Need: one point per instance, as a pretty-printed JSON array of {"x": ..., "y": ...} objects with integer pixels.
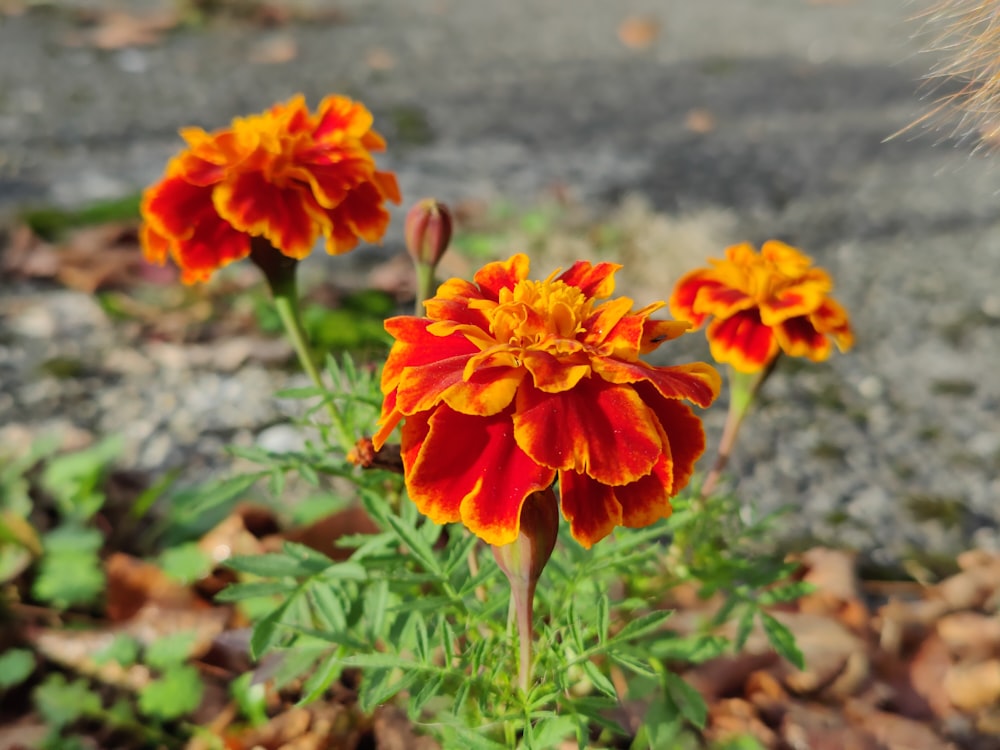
[
  {"x": 927, "y": 671},
  {"x": 732, "y": 718},
  {"x": 815, "y": 727},
  {"x": 322, "y": 535},
  {"x": 638, "y": 32},
  {"x": 699, "y": 121},
  {"x": 969, "y": 589},
  {"x": 971, "y": 687},
  {"x": 970, "y": 635},
  {"x": 895, "y": 731},
  {"x": 274, "y": 51},
  {"x": 134, "y": 584}
]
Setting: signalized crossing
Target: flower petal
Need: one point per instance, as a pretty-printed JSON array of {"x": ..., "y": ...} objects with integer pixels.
[
  {"x": 503, "y": 274},
  {"x": 286, "y": 217},
  {"x": 797, "y": 337},
  {"x": 555, "y": 374},
  {"x": 470, "y": 468},
  {"x": 594, "y": 281},
  {"x": 697, "y": 382},
  {"x": 742, "y": 341},
  {"x": 685, "y": 436},
  {"x": 590, "y": 507},
  {"x": 599, "y": 429}
]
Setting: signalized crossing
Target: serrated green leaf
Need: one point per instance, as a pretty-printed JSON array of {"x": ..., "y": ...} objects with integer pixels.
[
  {"x": 642, "y": 626},
  {"x": 61, "y": 703},
  {"x": 603, "y": 617},
  {"x": 429, "y": 689},
  {"x": 349, "y": 570},
  {"x": 458, "y": 736},
  {"x": 123, "y": 650},
  {"x": 176, "y": 693},
  {"x": 380, "y": 661},
  {"x": 329, "y": 606},
  {"x": 423, "y": 649},
  {"x": 70, "y": 571},
  {"x": 272, "y": 565},
  {"x": 378, "y": 686},
  {"x": 694, "y": 648},
  {"x": 461, "y": 696},
  {"x": 321, "y": 679},
  {"x": 599, "y": 679},
  {"x": 786, "y": 593},
  {"x": 685, "y": 699},
  {"x": 744, "y": 627},
  {"x": 782, "y": 639},
  {"x": 266, "y": 633},
  {"x": 552, "y": 731},
  {"x": 375, "y": 604},
  {"x": 576, "y": 628},
  {"x": 16, "y": 665},
  {"x": 417, "y": 544},
  {"x": 236, "y": 592},
  {"x": 170, "y": 650},
  {"x": 186, "y": 563},
  {"x": 632, "y": 663}
]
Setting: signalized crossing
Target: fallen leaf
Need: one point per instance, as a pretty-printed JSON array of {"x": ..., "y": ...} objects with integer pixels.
[
  {"x": 970, "y": 635},
  {"x": 638, "y": 32},
  {"x": 734, "y": 718},
  {"x": 971, "y": 687},
  {"x": 927, "y": 670}
]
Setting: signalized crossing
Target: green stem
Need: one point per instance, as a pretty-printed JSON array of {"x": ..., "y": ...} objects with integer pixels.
[
  {"x": 425, "y": 286},
  {"x": 286, "y": 302},
  {"x": 743, "y": 388}
]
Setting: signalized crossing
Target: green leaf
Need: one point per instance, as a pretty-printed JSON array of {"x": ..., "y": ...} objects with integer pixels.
[
  {"x": 417, "y": 544},
  {"x": 632, "y": 663},
  {"x": 456, "y": 736},
  {"x": 599, "y": 679},
  {"x": 142, "y": 504},
  {"x": 70, "y": 571},
  {"x": 16, "y": 665},
  {"x": 380, "y": 661},
  {"x": 123, "y": 650},
  {"x": 272, "y": 565},
  {"x": 551, "y": 731},
  {"x": 375, "y": 603},
  {"x": 61, "y": 703},
  {"x": 251, "y": 697},
  {"x": 237, "y": 592},
  {"x": 170, "y": 650},
  {"x": 422, "y": 650},
  {"x": 603, "y": 617},
  {"x": 782, "y": 640},
  {"x": 186, "y": 563},
  {"x": 685, "y": 699},
  {"x": 431, "y": 687},
  {"x": 694, "y": 648},
  {"x": 73, "y": 479},
  {"x": 176, "y": 693},
  {"x": 321, "y": 679},
  {"x": 378, "y": 686},
  {"x": 744, "y": 627},
  {"x": 786, "y": 593},
  {"x": 641, "y": 626}
]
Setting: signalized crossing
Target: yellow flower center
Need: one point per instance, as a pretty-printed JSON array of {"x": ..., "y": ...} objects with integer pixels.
[{"x": 540, "y": 314}]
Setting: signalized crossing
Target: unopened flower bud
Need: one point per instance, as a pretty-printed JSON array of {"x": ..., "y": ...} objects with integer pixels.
[
  {"x": 524, "y": 559},
  {"x": 428, "y": 231}
]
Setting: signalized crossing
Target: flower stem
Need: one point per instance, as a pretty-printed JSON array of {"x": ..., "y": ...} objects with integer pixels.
[
  {"x": 743, "y": 388},
  {"x": 425, "y": 286},
  {"x": 524, "y": 604},
  {"x": 279, "y": 270}
]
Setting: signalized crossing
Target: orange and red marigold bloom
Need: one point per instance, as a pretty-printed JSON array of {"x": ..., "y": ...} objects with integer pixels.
[
  {"x": 509, "y": 384},
  {"x": 763, "y": 304},
  {"x": 286, "y": 175}
]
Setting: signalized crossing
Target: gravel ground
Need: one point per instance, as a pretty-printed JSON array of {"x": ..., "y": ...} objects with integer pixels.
[{"x": 892, "y": 449}]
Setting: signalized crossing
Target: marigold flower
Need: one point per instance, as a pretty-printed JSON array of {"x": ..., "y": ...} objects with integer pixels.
[
  {"x": 509, "y": 383},
  {"x": 286, "y": 175},
  {"x": 762, "y": 304}
]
